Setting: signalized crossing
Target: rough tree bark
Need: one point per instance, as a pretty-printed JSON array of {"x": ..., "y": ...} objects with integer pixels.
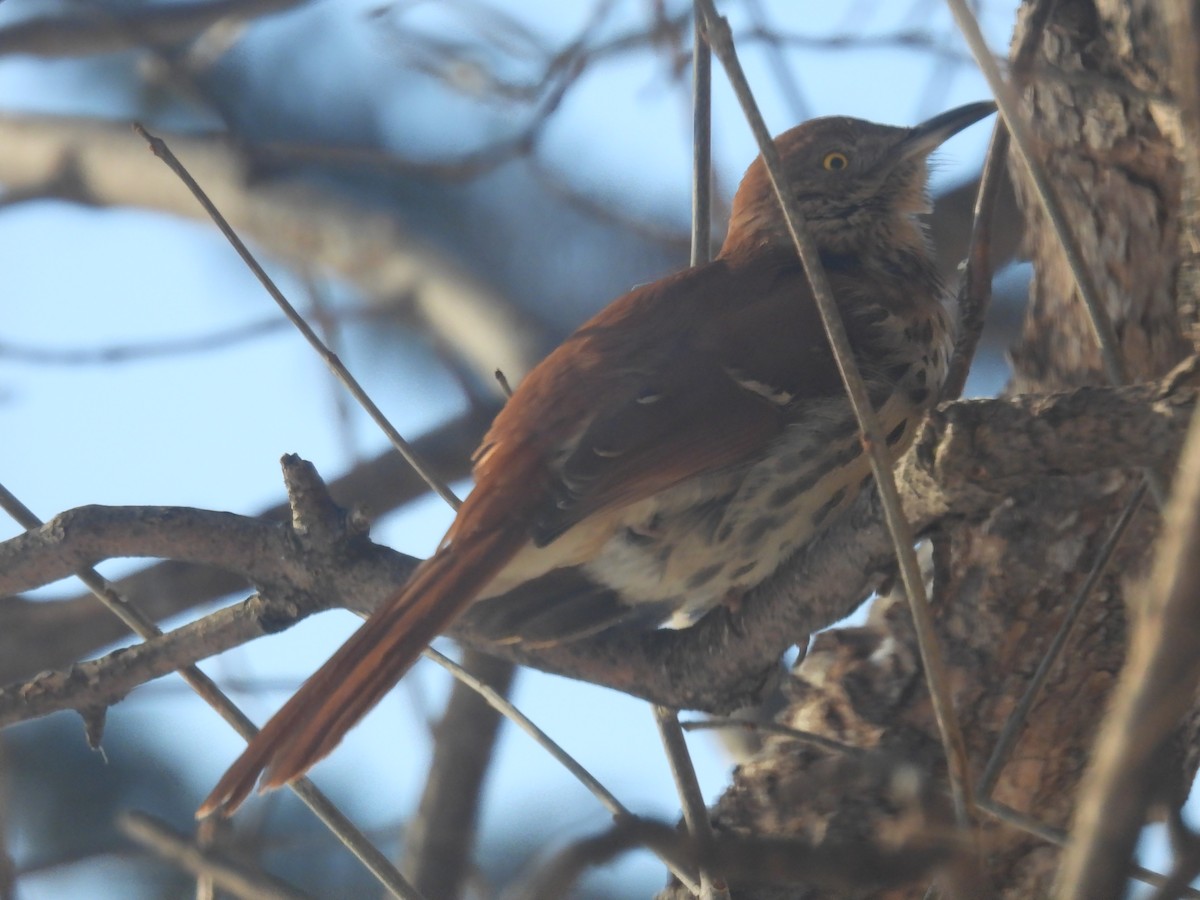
[{"x": 1100, "y": 105}]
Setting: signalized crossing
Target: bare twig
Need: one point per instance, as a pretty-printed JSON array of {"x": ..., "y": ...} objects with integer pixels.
[
  {"x": 440, "y": 836},
  {"x": 1186, "y": 845},
  {"x": 163, "y": 152},
  {"x": 205, "y": 863},
  {"x": 868, "y": 422},
  {"x": 975, "y": 287},
  {"x": 695, "y": 813},
  {"x": 1057, "y": 837},
  {"x": 702, "y": 177},
  {"x": 87, "y": 34},
  {"x": 8, "y": 866},
  {"x": 1156, "y": 687},
  {"x": 1025, "y": 144},
  {"x": 619, "y": 812},
  {"x": 145, "y": 628},
  {"x": 835, "y": 864},
  {"x": 1015, "y": 722},
  {"x": 110, "y": 354}
]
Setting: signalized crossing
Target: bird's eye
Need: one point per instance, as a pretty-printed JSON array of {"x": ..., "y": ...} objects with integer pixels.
[{"x": 835, "y": 161}]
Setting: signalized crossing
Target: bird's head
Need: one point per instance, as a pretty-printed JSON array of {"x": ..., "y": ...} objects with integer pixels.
[{"x": 858, "y": 185}]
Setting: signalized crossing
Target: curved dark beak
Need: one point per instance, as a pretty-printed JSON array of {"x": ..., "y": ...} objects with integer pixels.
[{"x": 927, "y": 136}]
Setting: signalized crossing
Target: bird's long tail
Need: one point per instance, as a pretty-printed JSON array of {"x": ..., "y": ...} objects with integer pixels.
[{"x": 366, "y": 667}]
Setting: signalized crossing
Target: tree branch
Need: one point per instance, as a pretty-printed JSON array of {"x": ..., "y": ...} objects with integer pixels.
[
  {"x": 92, "y": 31},
  {"x": 81, "y": 626},
  {"x": 969, "y": 458}
]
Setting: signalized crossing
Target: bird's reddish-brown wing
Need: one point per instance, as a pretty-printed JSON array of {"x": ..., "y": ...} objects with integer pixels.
[
  {"x": 692, "y": 374},
  {"x": 717, "y": 347}
]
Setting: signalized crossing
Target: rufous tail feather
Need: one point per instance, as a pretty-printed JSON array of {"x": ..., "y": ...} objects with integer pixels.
[{"x": 366, "y": 667}]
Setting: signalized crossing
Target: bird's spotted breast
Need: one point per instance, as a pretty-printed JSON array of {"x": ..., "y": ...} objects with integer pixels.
[{"x": 722, "y": 534}]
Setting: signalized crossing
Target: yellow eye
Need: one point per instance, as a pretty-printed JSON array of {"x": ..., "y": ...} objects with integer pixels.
[{"x": 835, "y": 161}]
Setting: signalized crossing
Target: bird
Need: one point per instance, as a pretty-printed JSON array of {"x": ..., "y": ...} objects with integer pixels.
[{"x": 679, "y": 446}]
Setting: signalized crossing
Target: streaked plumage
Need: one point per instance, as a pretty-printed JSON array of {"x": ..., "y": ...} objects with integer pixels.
[{"x": 681, "y": 444}]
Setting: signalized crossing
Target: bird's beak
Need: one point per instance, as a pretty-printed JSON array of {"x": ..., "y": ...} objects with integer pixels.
[{"x": 927, "y": 136}]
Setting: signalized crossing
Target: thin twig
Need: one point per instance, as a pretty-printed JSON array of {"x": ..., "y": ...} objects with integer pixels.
[
  {"x": 1024, "y": 143},
  {"x": 691, "y": 799},
  {"x": 441, "y": 836},
  {"x": 163, "y": 152},
  {"x": 868, "y": 422},
  {"x": 1016, "y": 719},
  {"x": 1026, "y": 147},
  {"x": 701, "y": 144},
  {"x": 206, "y": 882},
  {"x": 145, "y": 628},
  {"x": 502, "y": 380},
  {"x": 1131, "y": 762},
  {"x": 168, "y": 844},
  {"x": 789, "y": 84},
  {"x": 1058, "y": 837},
  {"x": 8, "y": 866},
  {"x": 695, "y": 812},
  {"x": 223, "y": 338},
  {"x": 975, "y": 289},
  {"x": 583, "y": 776}
]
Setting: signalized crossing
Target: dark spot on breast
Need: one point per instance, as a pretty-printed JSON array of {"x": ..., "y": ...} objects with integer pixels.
[
  {"x": 919, "y": 395},
  {"x": 785, "y": 495},
  {"x": 742, "y": 570},
  {"x": 919, "y": 376},
  {"x": 896, "y": 433},
  {"x": 725, "y": 531},
  {"x": 846, "y": 456},
  {"x": 704, "y": 576},
  {"x": 920, "y": 332},
  {"x": 706, "y": 517},
  {"x": 758, "y": 528},
  {"x": 828, "y": 506}
]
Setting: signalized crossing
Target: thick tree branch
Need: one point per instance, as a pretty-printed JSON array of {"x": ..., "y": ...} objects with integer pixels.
[
  {"x": 93, "y": 30},
  {"x": 81, "y": 626},
  {"x": 969, "y": 458}
]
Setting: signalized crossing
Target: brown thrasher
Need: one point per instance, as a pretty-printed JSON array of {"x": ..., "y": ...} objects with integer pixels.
[{"x": 679, "y": 446}]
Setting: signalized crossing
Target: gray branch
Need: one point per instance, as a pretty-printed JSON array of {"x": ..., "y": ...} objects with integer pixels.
[{"x": 969, "y": 458}]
